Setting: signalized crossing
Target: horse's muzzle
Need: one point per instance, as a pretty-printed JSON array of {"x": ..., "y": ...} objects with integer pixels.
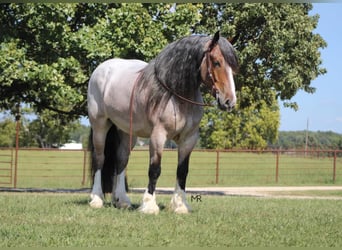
[{"x": 225, "y": 105}]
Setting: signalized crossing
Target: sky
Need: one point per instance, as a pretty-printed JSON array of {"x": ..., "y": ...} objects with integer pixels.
[{"x": 322, "y": 111}]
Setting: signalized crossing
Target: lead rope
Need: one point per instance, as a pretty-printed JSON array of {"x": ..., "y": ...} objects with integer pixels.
[{"x": 131, "y": 114}]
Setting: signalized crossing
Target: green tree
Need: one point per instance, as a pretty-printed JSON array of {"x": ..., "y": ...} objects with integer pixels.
[
  {"x": 250, "y": 127},
  {"x": 279, "y": 55},
  {"x": 45, "y": 133},
  {"x": 7, "y": 133}
]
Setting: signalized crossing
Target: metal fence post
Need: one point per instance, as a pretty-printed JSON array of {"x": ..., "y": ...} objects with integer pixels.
[
  {"x": 217, "y": 166},
  {"x": 84, "y": 166},
  {"x": 334, "y": 167},
  {"x": 17, "y": 131},
  {"x": 277, "y": 166}
]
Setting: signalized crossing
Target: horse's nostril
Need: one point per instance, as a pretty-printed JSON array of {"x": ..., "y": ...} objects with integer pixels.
[{"x": 230, "y": 105}]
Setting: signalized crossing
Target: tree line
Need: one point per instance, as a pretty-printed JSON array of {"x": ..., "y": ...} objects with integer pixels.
[
  {"x": 320, "y": 140},
  {"x": 48, "y": 52},
  {"x": 43, "y": 134}
]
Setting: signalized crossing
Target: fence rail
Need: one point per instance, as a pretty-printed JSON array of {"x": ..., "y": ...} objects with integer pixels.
[
  {"x": 6, "y": 163},
  {"x": 52, "y": 168}
]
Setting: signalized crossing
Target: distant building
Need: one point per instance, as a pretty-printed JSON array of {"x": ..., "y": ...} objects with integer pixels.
[{"x": 71, "y": 145}]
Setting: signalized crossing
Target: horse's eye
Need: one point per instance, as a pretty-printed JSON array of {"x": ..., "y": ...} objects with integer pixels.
[{"x": 217, "y": 64}]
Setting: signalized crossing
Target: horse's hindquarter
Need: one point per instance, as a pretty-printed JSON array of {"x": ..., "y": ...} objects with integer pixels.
[{"x": 110, "y": 91}]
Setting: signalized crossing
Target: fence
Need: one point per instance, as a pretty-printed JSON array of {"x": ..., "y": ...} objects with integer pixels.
[{"x": 39, "y": 168}]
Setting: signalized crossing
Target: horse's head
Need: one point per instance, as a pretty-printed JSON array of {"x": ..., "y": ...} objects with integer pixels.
[{"x": 217, "y": 70}]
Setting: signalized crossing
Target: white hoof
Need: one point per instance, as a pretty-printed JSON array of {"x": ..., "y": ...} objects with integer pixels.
[
  {"x": 179, "y": 204},
  {"x": 96, "y": 201},
  {"x": 149, "y": 205}
]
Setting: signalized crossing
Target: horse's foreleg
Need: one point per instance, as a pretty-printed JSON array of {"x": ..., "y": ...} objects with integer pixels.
[
  {"x": 149, "y": 204},
  {"x": 178, "y": 202}
]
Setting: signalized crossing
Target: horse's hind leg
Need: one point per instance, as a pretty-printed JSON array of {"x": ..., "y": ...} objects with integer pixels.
[
  {"x": 100, "y": 130},
  {"x": 119, "y": 196}
]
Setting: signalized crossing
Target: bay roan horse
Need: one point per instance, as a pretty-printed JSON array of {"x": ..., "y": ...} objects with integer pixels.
[{"x": 160, "y": 100}]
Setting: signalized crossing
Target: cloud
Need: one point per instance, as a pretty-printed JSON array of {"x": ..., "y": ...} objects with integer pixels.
[{"x": 338, "y": 119}]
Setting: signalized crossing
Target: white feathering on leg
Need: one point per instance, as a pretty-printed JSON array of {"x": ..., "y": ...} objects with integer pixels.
[
  {"x": 119, "y": 196},
  {"x": 96, "y": 193},
  {"x": 149, "y": 205},
  {"x": 178, "y": 202}
]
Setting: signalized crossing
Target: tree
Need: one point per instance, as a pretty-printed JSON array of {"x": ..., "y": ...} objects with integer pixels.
[
  {"x": 48, "y": 51},
  {"x": 316, "y": 140},
  {"x": 279, "y": 55},
  {"x": 250, "y": 127},
  {"x": 278, "y": 51},
  {"x": 7, "y": 133}
]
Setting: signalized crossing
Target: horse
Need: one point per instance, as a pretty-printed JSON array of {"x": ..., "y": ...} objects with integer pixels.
[{"x": 160, "y": 100}]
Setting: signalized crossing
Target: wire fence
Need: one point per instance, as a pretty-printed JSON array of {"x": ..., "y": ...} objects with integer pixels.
[{"x": 53, "y": 168}]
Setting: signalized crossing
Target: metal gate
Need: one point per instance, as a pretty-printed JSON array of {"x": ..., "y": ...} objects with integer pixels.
[{"x": 6, "y": 167}]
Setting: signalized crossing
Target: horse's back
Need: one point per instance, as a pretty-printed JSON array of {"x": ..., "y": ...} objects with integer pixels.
[
  {"x": 111, "y": 83},
  {"x": 114, "y": 70}
]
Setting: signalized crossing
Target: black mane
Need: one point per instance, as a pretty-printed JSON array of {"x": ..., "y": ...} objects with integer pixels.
[{"x": 178, "y": 67}]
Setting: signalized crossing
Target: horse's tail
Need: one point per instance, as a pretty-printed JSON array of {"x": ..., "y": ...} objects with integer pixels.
[{"x": 109, "y": 166}]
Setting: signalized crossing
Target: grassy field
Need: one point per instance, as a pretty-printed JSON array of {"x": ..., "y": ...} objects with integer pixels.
[
  {"x": 58, "y": 220},
  {"x": 69, "y": 169}
]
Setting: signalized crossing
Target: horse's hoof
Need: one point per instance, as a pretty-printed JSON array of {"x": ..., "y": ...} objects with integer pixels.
[
  {"x": 179, "y": 204},
  {"x": 182, "y": 209},
  {"x": 96, "y": 201},
  {"x": 121, "y": 201},
  {"x": 149, "y": 205},
  {"x": 122, "y": 204}
]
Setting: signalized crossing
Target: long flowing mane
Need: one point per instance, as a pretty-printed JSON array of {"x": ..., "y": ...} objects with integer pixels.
[{"x": 178, "y": 67}]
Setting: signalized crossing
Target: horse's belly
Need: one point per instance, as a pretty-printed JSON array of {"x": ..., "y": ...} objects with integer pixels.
[{"x": 136, "y": 126}]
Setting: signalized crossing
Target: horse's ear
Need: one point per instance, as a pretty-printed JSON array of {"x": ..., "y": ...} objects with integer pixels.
[
  {"x": 214, "y": 40},
  {"x": 233, "y": 40}
]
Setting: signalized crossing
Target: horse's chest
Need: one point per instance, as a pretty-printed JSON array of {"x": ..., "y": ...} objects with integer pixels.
[{"x": 177, "y": 122}]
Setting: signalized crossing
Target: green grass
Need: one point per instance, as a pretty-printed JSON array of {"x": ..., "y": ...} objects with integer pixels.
[
  {"x": 312, "y": 193},
  {"x": 65, "y": 169},
  {"x": 47, "y": 220}
]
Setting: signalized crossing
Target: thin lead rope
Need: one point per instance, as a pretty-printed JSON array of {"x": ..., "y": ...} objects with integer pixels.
[{"x": 131, "y": 114}]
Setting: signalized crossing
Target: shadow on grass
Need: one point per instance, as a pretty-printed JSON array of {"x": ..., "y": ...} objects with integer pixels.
[{"x": 109, "y": 204}]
